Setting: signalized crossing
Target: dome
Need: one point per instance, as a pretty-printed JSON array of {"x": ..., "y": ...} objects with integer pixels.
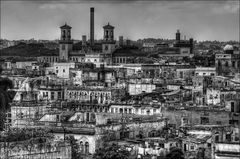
[{"x": 228, "y": 47}]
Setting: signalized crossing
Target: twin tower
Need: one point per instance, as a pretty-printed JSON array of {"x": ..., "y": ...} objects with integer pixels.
[{"x": 66, "y": 43}]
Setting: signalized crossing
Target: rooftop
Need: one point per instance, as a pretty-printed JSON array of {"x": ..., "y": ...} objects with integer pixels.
[
  {"x": 65, "y": 26},
  {"x": 128, "y": 51},
  {"x": 108, "y": 26}
]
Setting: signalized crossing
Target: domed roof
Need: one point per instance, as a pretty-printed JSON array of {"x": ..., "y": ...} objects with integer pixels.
[{"x": 228, "y": 47}]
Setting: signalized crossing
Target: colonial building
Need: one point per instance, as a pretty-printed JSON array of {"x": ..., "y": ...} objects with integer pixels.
[
  {"x": 94, "y": 95},
  {"x": 227, "y": 62}
]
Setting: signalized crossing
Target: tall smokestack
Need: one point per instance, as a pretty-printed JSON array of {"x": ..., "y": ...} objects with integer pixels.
[{"x": 91, "y": 26}]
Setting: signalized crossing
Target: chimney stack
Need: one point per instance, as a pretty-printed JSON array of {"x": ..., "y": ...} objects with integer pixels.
[{"x": 91, "y": 26}]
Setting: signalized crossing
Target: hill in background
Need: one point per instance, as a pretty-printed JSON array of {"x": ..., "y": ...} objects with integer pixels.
[{"x": 28, "y": 50}]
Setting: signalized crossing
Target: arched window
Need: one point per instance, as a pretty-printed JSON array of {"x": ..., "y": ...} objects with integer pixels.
[
  {"x": 64, "y": 35},
  {"x": 226, "y": 63},
  {"x": 219, "y": 64},
  {"x": 93, "y": 117},
  {"x": 217, "y": 137},
  {"x": 86, "y": 147},
  {"x": 81, "y": 147}
]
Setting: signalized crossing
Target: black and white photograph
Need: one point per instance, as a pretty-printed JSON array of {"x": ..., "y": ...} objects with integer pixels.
[{"x": 119, "y": 79}]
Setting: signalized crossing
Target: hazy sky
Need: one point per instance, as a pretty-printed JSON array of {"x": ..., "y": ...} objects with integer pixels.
[{"x": 202, "y": 20}]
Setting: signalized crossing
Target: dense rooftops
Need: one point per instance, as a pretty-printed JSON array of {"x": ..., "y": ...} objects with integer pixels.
[{"x": 129, "y": 51}]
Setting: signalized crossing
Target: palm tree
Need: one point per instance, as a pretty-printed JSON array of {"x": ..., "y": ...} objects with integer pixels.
[{"x": 5, "y": 98}]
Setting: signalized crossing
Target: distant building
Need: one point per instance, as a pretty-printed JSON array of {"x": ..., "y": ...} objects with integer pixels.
[
  {"x": 205, "y": 71},
  {"x": 227, "y": 63},
  {"x": 61, "y": 69}
]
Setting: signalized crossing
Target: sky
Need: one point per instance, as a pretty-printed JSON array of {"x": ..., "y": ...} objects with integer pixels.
[{"x": 132, "y": 19}]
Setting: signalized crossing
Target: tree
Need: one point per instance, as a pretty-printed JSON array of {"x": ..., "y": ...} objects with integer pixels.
[
  {"x": 5, "y": 98},
  {"x": 175, "y": 153},
  {"x": 74, "y": 147},
  {"x": 111, "y": 151},
  {"x": 201, "y": 153}
]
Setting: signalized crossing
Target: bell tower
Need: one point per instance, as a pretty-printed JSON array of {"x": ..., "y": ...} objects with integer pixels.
[
  {"x": 108, "y": 39},
  {"x": 65, "y": 43}
]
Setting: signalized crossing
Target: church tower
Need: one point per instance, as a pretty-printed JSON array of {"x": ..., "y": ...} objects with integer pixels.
[
  {"x": 65, "y": 43},
  {"x": 108, "y": 45}
]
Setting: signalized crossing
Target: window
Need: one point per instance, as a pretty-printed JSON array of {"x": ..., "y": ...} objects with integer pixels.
[
  {"x": 219, "y": 64},
  {"x": 112, "y": 110},
  {"x": 204, "y": 120},
  {"x": 226, "y": 64},
  {"x": 58, "y": 118},
  {"x": 232, "y": 106},
  {"x": 81, "y": 147},
  {"x": 63, "y": 47},
  {"x": 86, "y": 148},
  {"x": 56, "y": 71},
  {"x": 228, "y": 137},
  {"x": 59, "y": 95},
  {"x": 192, "y": 147},
  {"x": 217, "y": 138},
  {"x": 209, "y": 144},
  {"x": 121, "y": 110},
  {"x": 148, "y": 112},
  {"x": 63, "y": 70},
  {"x": 52, "y": 95},
  {"x": 130, "y": 111},
  {"x": 106, "y": 47},
  {"x": 181, "y": 74}
]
